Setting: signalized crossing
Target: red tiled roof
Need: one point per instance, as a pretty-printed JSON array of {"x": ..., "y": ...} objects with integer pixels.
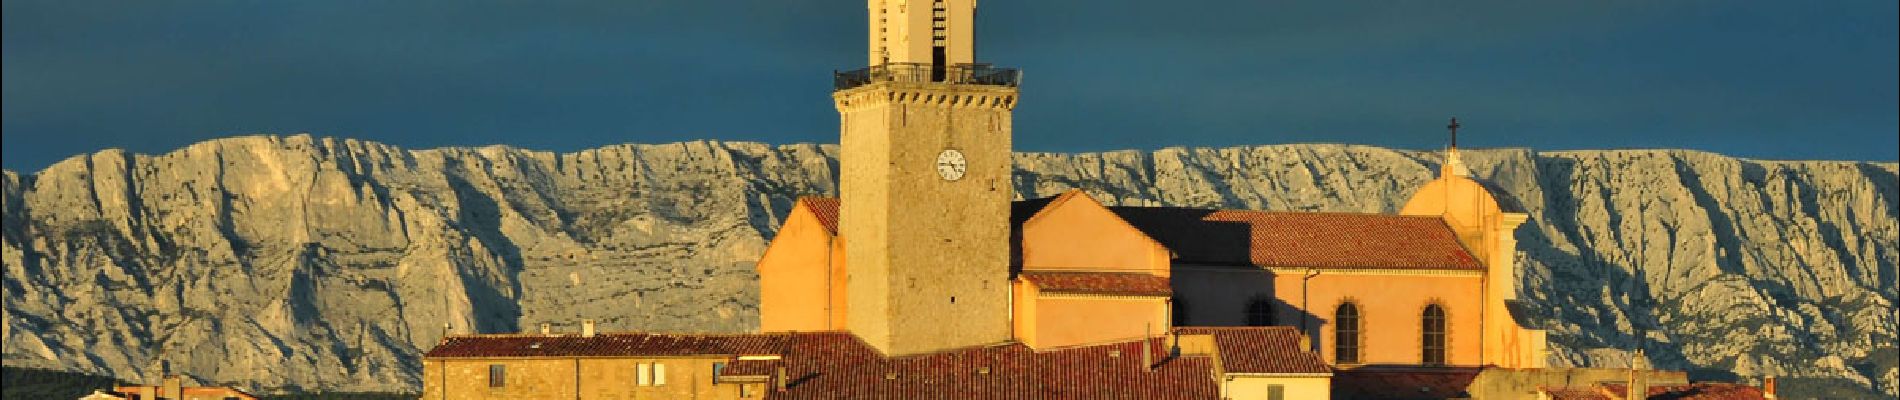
[
  {"x": 826, "y": 209},
  {"x": 1267, "y": 238},
  {"x": 750, "y": 368},
  {"x": 839, "y": 365},
  {"x": 1261, "y": 350},
  {"x": 1091, "y": 373},
  {"x": 606, "y": 345},
  {"x": 1402, "y": 383},
  {"x": 1107, "y": 283},
  {"x": 1693, "y": 391},
  {"x": 1572, "y": 393},
  {"x": 1295, "y": 239}
]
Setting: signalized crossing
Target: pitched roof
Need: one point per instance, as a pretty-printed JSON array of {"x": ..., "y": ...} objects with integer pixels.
[
  {"x": 1262, "y": 238},
  {"x": 826, "y": 209},
  {"x": 838, "y": 365},
  {"x": 605, "y": 345},
  {"x": 750, "y": 368},
  {"x": 1298, "y": 239},
  {"x": 1403, "y": 382},
  {"x": 1261, "y": 350},
  {"x": 1693, "y": 391},
  {"x": 1574, "y": 393},
  {"x": 1103, "y": 283}
]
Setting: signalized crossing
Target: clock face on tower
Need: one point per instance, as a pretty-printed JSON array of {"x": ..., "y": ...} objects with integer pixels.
[{"x": 950, "y": 164}]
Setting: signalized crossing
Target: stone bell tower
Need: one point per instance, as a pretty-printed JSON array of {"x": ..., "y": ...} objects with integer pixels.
[{"x": 925, "y": 182}]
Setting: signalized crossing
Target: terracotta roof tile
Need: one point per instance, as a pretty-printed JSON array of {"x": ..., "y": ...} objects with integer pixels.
[
  {"x": 1105, "y": 283},
  {"x": 1402, "y": 383},
  {"x": 751, "y": 368},
  {"x": 1265, "y": 238},
  {"x": 1693, "y": 391},
  {"x": 826, "y": 209},
  {"x": 838, "y": 365},
  {"x": 1261, "y": 350},
  {"x": 605, "y": 345},
  {"x": 1293, "y": 239},
  {"x": 1573, "y": 393}
]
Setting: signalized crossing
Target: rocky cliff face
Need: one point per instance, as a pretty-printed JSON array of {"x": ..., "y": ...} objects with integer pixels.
[{"x": 298, "y": 263}]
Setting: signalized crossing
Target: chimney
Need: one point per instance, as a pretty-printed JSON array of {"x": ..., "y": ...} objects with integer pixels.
[
  {"x": 587, "y": 328},
  {"x": 160, "y": 370},
  {"x": 780, "y": 382},
  {"x": 1146, "y": 361},
  {"x": 174, "y": 388},
  {"x": 546, "y": 330},
  {"x": 1768, "y": 387},
  {"x": 1306, "y": 343}
]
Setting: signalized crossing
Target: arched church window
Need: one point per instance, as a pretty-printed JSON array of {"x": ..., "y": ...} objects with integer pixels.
[
  {"x": 1434, "y": 338},
  {"x": 1346, "y": 334},
  {"x": 1260, "y": 311}
]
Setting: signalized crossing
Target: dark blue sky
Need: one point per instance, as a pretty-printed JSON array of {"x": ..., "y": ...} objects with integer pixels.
[{"x": 1767, "y": 79}]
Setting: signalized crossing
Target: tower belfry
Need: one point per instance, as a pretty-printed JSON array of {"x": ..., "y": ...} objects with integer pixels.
[
  {"x": 922, "y": 32},
  {"x": 924, "y": 183}
]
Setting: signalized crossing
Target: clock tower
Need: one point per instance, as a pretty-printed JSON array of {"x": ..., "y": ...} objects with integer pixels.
[{"x": 925, "y": 182}]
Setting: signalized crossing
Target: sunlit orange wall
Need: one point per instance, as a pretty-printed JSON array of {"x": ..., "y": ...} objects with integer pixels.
[
  {"x": 1489, "y": 233},
  {"x": 1069, "y": 321},
  {"x": 1391, "y": 309},
  {"x": 1076, "y": 233},
  {"x": 795, "y": 278},
  {"x": 1022, "y": 308}
]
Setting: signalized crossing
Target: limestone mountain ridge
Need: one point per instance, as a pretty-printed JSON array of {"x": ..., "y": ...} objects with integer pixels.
[{"x": 304, "y": 263}]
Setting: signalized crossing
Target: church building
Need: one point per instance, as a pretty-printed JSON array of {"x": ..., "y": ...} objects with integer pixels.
[
  {"x": 1431, "y": 286},
  {"x": 926, "y": 277}
]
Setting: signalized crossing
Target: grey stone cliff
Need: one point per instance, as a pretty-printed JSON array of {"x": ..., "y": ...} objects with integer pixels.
[{"x": 300, "y": 263}]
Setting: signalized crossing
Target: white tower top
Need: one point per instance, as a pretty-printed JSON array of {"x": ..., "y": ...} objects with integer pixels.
[{"x": 934, "y": 32}]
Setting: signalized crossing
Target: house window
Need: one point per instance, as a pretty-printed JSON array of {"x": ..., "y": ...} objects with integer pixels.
[
  {"x": 497, "y": 375},
  {"x": 1434, "y": 339},
  {"x": 659, "y": 374},
  {"x": 1346, "y": 334},
  {"x": 643, "y": 374},
  {"x": 745, "y": 390},
  {"x": 1276, "y": 392},
  {"x": 1260, "y": 311}
]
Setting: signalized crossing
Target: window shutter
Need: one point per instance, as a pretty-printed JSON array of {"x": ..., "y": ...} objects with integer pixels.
[
  {"x": 641, "y": 374},
  {"x": 659, "y": 374}
]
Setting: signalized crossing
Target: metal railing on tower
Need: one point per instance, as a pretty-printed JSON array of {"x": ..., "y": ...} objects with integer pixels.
[{"x": 960, "y": 74}]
